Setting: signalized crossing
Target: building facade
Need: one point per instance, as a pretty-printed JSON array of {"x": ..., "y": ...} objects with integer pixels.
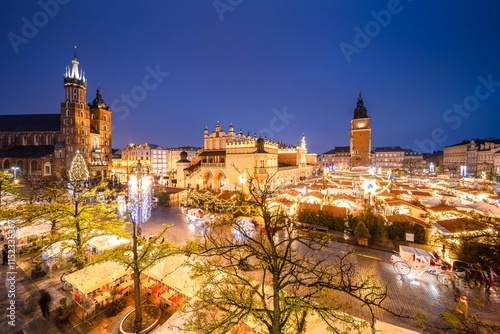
[
  {"x": 360, "y": 142},
  {"x": 40, "y": 143},
  {"x": 338, "y": 158},
  {"x": 227, "y": 158},
  {"x": 476, "y": 155},
  {"x": 161, "y": 161}
]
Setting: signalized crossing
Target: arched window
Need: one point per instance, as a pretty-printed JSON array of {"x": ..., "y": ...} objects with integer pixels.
[
  {"x": 95, "y": 143},
  {"x": 34, "y": 167},
  {"x": 82, "y": 123},
  {"x": 47, "y": 170},
  {"x": 11, "y": 139},
  {"x": 210, "y": 160},
  {"x": 25, "y": 140},
  {"x": 222, "y": 160},
  {"x": 67, "y": 112},
  {"x": 105, "y": 118},
  {"x": 81, "y": 114},
  {"x": 75, "y": 94},
  {"x": 35, "y": 140},
  {"x": 105, "y": 128},
  {"x": 6, "y": 164},
  {"x": 92, "y": 116},
  {"x": 19, "y": 164},
  {"x": 47, "y": 140}
]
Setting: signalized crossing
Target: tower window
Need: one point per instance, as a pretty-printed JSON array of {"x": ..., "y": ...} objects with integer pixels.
[
  {"x": 75, "y": 94},
  {"x": 105, "y": 128},
  {"x": 81, "y": 114},
  {"x": 105, "y": 118},
  {"x": 91, "y": 116}
]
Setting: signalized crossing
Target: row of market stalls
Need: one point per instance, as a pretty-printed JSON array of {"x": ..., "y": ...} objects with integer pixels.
[
  {"x": 169, "y": 280},
  {"x": 61, "y": 252}
]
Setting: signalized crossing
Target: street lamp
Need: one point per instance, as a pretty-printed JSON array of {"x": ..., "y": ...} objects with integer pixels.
[
  {"x": 15, "y": 172},
  {"x": 139, "y": 195}
]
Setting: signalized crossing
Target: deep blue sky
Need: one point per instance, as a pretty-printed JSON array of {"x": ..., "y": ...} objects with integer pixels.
[{"x": 263, "y": 55}]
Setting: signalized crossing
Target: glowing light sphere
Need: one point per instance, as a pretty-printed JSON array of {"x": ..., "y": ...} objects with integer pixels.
[
  {"x": 139, "y": 189},
  {"x": 370, "y": 186}
]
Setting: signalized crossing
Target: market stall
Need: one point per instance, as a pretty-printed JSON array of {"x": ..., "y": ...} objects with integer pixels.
[{"x": 92, "y": 285}]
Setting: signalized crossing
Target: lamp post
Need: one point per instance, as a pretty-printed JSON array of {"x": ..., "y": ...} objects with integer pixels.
[
  {"x": 15, "y": 169},
  {"x": 139, "y": 192}
]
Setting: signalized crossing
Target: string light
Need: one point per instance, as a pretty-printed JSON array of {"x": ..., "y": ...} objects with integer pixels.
[
  {"x": 78, "y": 170},
  {"x": 140, "y": 197}
]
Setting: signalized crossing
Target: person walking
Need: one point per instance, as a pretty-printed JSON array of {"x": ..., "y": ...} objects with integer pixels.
[
  {"x": 44, "y": 302},
  {"x": 5, "y": 254},
  {"x": 462, "y": 306}
]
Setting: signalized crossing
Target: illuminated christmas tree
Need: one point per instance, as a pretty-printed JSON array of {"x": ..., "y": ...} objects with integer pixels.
[{"x": 78, "y": 170}]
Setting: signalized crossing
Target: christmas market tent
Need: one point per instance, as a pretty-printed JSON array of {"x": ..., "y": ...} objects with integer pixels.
[
  {"x": 180, "y": 280},
  {"x": 486, "y": 209},
  {"x": 33, "y": 230},
  {"x": 230, "y": 186},
  {"x": 96, "y": 276},
  {"x": 105, "y": 242},
  {"x": 166, "y": 266},
  {"x": 314, "y": 324}
]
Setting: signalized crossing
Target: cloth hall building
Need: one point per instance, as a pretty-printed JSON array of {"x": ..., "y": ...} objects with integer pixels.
[
  {"x": 40, "y": 143},
  {"x": 227, "y": 158}
]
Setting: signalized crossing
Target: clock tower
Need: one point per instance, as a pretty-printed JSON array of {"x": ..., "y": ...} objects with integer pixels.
[{"x": 361, "y": 135}]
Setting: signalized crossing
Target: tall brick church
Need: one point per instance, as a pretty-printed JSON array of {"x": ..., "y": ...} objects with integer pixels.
[
  {"x": 361, "y": 136},
  {"x": 40, "y": 143}
]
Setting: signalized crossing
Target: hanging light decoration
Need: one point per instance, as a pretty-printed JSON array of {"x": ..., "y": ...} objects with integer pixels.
[{"x": 139, "y": 192}]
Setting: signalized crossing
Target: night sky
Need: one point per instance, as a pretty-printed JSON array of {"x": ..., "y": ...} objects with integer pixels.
[{"x": 246, "y": 62}]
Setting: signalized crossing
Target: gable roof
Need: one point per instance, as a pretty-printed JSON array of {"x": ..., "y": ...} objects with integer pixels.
[
  {"x": 32, "y": 122},
  {"x": 28, "y": 151}
]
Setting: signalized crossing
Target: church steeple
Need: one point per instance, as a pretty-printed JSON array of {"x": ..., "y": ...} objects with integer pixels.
[
  {"x": 360, "y": 111},
  {"x": 75, "y": 83}
]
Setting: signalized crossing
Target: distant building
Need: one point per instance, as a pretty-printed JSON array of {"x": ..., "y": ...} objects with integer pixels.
[
  {"x": 338, "y": 158},
  {"x": 38, "y": 143},
  {"x": 228, "y": 157},
  {"x": 393, "y": 157},
  {"x": 435, "y": 159},
  {"x": 475, "y": 154},
  {"x": 360, "y": 136},
  {"x": 160, "y": 160}
]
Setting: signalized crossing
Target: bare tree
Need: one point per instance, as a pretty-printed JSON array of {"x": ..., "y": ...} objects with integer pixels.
[{"x": 277, "y": 279}]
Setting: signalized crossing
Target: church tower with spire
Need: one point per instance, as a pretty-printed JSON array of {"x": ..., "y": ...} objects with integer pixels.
[
  {"x": 85, "y": 127},
  {"x": 360, "y": 136}
]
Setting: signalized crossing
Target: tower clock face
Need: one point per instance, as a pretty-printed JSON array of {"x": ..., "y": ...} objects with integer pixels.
[{"x": 361, "y": 123}]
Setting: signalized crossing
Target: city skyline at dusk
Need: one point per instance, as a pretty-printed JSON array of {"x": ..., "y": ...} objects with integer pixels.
[{"x": 428, "y": 79}]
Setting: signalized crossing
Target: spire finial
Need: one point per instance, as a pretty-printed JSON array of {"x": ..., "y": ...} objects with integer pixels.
[
  {"x": 75, "y": 50},
  {"x": 359, "y": 92}
]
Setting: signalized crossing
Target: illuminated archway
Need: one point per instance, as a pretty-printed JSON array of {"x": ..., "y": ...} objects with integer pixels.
[{"x": 207, "y": 179}]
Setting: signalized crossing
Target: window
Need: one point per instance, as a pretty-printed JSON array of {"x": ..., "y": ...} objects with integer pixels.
[
  {"x": 11, "y": 139},
  {"x": 35, "y": 139},
  {"x": 47, "y": 140},
  {"x": 81, "y": 114},
  {"x": 67, "y": 112},
  {"x": 92, "y": 116},
  {"x": 25, "y": 141},
  {"x": 74, "y": 94},
  {"x": 105, "y": 118},
  {"x": 105, "y": 128},
  {"x": 34, "y": 167}
]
